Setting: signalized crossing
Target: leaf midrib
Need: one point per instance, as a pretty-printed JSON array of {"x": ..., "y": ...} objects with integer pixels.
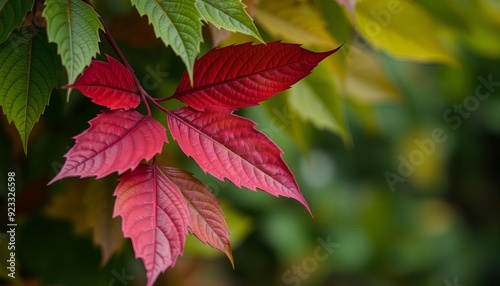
[
  {"x": 228, "y": 81},
  {"x": 191, "y": 205},
  {"x": 173, "y": 25},
  {"x": 70, "y": 35},
  {"x": 229, "y": 150},
  {"x": 28, "y": 84},
  {"x": 121, "y": 138}
]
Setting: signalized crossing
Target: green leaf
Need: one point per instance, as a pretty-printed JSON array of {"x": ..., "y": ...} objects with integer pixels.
[
  {"x": 296, "y": 21},
  {"x": 28, "y": 66},
  {"x": 177, "y": 23},
  {"x": 12, "y": 13},
  {"x": 74, "y": 26},
  {"x": 401, "y": 28},
  {"x": 316, "y": 98},
  {"x": 230, "y": 15}
]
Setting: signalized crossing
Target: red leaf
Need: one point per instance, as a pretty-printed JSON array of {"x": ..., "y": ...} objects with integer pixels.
[
  {"x": 206, "y": 217},
  {"x": 154, "y": 215},
  {"x": 243, "y": 75},
  {"x": 228, "y": 146},
  {"x": 115, "y": 142},
  {"x": 108, "y": 84}
]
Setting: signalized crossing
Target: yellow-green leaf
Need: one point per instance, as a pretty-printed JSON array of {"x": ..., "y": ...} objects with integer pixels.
[
  {"x": 366, "y": 81},
  {"x": 282, "y": 117},
  {"x": 316, "y": 98},
  {"x": 294, "y": 21},
  {"x": 401, "y": 28}
]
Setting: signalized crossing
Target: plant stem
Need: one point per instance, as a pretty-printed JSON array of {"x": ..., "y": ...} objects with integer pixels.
[
  {"x": 164, "y": 98},
  {"x": 144, "y": 95},
  {"x": 154, "y": 102}
]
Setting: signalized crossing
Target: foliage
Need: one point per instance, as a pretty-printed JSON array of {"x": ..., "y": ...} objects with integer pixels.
[
  {"x": 405, "y": 68},
  {"x": 156, "y": 214}
]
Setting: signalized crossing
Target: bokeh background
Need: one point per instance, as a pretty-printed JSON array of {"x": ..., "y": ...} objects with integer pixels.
[{"x": 394, "y": 141}]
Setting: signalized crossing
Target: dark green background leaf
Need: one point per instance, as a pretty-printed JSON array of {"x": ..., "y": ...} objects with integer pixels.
[
  {"x": 12, "y": 14},
  {"x": 28, "y": 67}
]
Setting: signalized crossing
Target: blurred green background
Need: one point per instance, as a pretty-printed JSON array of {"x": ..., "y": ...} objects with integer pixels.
[{"x": 394, "y": 142}]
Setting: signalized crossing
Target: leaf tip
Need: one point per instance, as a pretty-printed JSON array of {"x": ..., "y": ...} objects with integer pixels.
[
  {"x": 331, "y": 52},
  {"x": 56, "y": 178},
  {"x": 258, "y": 37},
  {"x": 68, "y": 93},
  {"x": 304, "y": 203},
  {"x": 25, "y": 148},
  {"x": 229, "y": 255},
  {"x": 227, "y": 251}
]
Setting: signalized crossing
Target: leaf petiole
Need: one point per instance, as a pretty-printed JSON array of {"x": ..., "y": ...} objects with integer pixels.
[{"x": 114, "y": 46}]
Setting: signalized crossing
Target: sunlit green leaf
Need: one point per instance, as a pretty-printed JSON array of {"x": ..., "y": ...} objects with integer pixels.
[
  {"x": 230, "y": 15},
  {"x": 74, "y": 26},
  {"x": 177, "y": 23}
]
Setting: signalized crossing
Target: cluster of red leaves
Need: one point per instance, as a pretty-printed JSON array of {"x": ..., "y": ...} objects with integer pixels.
[{"x": 159, "y": 205}]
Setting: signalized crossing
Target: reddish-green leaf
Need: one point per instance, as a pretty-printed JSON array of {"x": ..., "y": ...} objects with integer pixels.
[
  {"x": 116, "y": 141},
  {"x": 206, "y": 217},
  {"x": 154, "y": 215},
  {"x": 106, "y": 231},
  {"x": 228, "y": 146},
  {"x": 243, "y": 75},
  {"x": 108, "y": 84}
]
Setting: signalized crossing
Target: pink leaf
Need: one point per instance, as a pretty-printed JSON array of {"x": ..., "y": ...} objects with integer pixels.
[
  {"x": 108, "y": 84},
  {"x": 228, "y": 146},
  {"x": 206, "y": 217},
  {"x": 115, "y": 142},
  {"x": 243, "y": 75},
  {"x": 154, "y": 215},
  {"x": 349, "y": 4}
]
